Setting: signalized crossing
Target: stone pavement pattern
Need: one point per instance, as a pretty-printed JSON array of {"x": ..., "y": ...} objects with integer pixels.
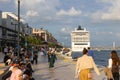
[{"x": 64, "y": 70}]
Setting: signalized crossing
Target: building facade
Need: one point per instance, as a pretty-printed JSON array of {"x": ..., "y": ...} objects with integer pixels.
[
  {"x": 44, "y": 35},
  {"x": 9, "y": 29}
]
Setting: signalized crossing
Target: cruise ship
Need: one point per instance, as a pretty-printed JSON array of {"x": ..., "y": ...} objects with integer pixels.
[{"x": 80, "y": 38}]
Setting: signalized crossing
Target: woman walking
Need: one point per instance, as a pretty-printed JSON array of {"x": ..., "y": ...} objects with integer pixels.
[
  {"x": 84, "y": 65},
  {"x": 52, "y": 58},
  {"x": 113, "y": 63}
]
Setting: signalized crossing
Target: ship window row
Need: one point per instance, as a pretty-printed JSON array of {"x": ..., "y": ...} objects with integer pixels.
[
  {"x": 80, "y": 39},
  {"x": 80, "y": 44},
  {"x": 80, "y": 33}
]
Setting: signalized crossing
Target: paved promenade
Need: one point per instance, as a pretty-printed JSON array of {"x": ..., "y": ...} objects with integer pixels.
[{"x": 64, "y": 70}]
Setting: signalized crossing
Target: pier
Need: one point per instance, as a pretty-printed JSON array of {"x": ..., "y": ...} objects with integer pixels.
[{"x": 105, "y": 48}]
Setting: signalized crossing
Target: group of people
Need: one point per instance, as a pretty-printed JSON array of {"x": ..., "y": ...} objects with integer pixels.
[
  {"x": 23, "y": 71},
  {"x": 19, "y": 70},
  {"x": 20, "y": 67},
  {"x": 86, "y": 63}
]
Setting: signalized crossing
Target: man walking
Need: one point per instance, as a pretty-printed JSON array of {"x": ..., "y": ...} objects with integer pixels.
[{"x": 90, "y": 52}]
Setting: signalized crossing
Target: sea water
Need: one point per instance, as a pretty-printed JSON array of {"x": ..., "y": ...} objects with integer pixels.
[{"x": 100, "y": 57}]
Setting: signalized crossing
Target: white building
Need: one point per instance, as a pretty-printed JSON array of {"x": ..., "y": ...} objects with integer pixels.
[
  {"x": 44, "y": 35},
  {"x": 10, "y": 28},
  {"x": 80, "y": 38},
  {"x": 10, "y": 20}
]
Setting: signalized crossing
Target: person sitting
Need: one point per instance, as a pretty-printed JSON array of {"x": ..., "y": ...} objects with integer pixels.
[{"x": 16, "y": 72}]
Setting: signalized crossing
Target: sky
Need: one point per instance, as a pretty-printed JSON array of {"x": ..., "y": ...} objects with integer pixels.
[{"x": 60, "y": 17}]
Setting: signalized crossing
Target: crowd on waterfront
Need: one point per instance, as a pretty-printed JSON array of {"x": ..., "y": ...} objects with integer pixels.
[{"x": 20, "y": 65}]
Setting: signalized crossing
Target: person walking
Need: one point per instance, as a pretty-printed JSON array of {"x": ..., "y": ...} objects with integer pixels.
[
  {"x": 52, "y": 59},
  {"x": 35, "y": 56},
  {"x": 49, "y": 53},
  {"x": 84, "y": 65},
  {"x": 90, "y": 52},
  {"x": 113, "y": 64},
  {"x": 6, "y": 50}
]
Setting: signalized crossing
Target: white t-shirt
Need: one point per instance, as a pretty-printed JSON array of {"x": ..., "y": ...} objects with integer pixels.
[{"x": 110, "y": 63}]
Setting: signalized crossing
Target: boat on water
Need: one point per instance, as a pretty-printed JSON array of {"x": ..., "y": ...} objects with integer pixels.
[{"x": 80, "y": 38}]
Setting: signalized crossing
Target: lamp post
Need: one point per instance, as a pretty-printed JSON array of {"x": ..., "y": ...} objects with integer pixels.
[{"x": 18, "y": 27}]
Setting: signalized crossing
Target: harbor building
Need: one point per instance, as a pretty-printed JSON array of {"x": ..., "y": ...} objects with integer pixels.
[
  {"x": 11, "y": 34},
  {"x": 80, "y": 38},
  {"x": 45, "y": 36},
  {"x": 9, "y": 29}
]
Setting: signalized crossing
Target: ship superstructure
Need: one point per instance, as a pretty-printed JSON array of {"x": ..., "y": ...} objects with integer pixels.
[{"x": 80, "y": 38}]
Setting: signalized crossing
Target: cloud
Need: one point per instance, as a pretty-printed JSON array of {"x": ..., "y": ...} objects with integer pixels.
[
  {"x": 31, "y": 13},
  {"x": 110, "y": 12},
  {"x": 65, "y": 30},
  {"x": 4, "y": 0},
  {"x": 44, "y": 12},
  {"x": 41, "y": 6},
  {"x": 118, "y": 34},
  {"x": 71, "y": 12},
  {"x": 39, "y": 12},
  {"x": 104, "y": 33}
]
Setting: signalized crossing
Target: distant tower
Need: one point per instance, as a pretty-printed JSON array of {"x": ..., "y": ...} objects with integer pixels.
[{"x": 113, "y": 45}]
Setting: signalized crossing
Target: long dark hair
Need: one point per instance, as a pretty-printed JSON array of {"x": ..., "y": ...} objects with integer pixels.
[{"x": 114, "y": 57}]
